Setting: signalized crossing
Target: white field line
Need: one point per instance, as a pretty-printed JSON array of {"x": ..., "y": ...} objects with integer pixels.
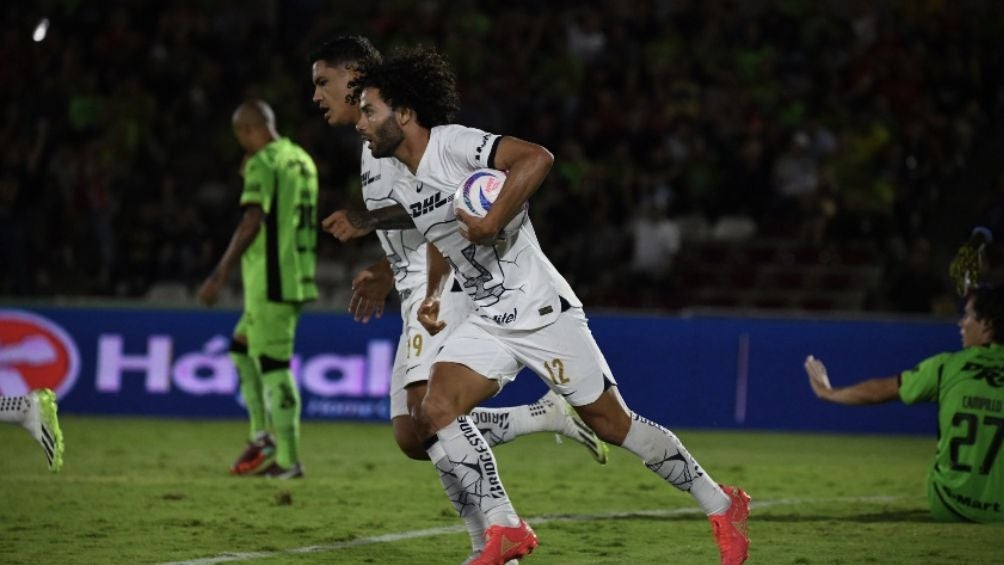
[{"x": 432, "y": 532}]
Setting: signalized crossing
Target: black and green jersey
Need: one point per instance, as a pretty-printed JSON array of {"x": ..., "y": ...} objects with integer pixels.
[
  {"x": 279, "y": 265},
  {"x": 967, "y": 475}
]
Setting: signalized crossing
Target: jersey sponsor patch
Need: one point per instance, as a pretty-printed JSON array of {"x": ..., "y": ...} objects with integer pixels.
[
  {"x": 368, "y": 178},
  {"x": 994, "y": 376},
  {"x": 428, "y": 204}
]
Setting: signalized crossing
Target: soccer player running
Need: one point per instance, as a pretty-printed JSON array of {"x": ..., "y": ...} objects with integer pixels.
[
  {"x": 37, "y": 413},
  {"x": 524, "y": 313},
  {"x": 275, "y": 243},
  {"x": 965, "y": 482},
  {"x": 334, "y": 65}
]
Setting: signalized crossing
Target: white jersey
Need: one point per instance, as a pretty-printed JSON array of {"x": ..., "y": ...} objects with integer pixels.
[
  {"x": 515, "y": 287},
  {"x": 405, "y": 249},
  {"x": 383, "y": 181}
]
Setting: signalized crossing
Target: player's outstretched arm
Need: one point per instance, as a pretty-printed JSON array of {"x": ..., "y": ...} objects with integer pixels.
[
  {"x": 352, "y": 224},
  {"x": 871, "y": 391},
  {"x": 370, "y": 288},
  {"x": 243, "y": 236},
  {"x": 527, "y": 165}
]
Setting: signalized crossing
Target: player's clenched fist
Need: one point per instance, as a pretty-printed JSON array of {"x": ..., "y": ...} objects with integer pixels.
[
  {"x": 428, "y": 315},
  {"x": 341, "y": 224}
]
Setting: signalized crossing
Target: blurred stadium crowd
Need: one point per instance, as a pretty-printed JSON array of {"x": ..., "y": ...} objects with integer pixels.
[{"x": 676, "y": 124}]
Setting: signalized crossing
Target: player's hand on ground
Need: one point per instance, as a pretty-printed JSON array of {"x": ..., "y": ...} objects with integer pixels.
[
  {"x": 339, "y": 224},
  {"x": 479, "y": 230},
  {"x": 818, "y": 378},
  {"x": 965, "y": 267},
  {"x": 428, "y": 315},
  {"x": 369, "y": 293},
  {"x": 209, "y": 291}
]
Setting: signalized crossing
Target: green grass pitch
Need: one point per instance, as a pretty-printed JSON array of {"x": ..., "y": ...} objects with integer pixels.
[{"x": 157, "y": 491}]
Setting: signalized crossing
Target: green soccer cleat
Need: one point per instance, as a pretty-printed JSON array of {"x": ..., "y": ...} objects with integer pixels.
[
  {"x": 42, "y": 423},
  {"x": 574, "y": 428}
]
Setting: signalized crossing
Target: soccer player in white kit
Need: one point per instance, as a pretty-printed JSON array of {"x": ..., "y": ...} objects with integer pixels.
[
  {"x": 524, "y": 313},
  {"x": 404, "y": 267}
]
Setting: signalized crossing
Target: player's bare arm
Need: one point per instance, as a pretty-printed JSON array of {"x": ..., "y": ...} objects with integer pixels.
[
  {"x": 527, "y": 165},
  {"x": 871, "y": 391},
  {"x": 438, "y": 274},
  {"x": 370, "y": 288},
  {"x": 242, "y": 238},
  {"x": 352, "y": 224}
]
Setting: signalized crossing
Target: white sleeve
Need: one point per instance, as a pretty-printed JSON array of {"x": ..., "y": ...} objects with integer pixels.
[
  {"x": 382, "y": 180},
  {"x": 470, "y": 147}
]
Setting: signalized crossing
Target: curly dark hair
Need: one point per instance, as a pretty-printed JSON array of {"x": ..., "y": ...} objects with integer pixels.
[
  {"x": 988, "y": 304},
  {"x": 417, "y": 78},
  {"x": 346, "y": 50}
]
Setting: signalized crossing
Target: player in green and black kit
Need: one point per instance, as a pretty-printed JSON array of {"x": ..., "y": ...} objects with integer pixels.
[
  {"x": 276, "y": 244},
  {"x": 966, "y": 479}
]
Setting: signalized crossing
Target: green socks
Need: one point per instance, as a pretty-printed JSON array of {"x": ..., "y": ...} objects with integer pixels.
[
  {"x": 251, "y": 390},
  {"x": 284, "y": 409}
]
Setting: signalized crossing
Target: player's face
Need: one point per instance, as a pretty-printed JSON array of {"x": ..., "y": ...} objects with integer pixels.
[
  {"x": 243, "y": 135},
  {"x": 378, "y": 124},
  {"x": 331, "y": 86},
  {"x": 973, "y": 331}
]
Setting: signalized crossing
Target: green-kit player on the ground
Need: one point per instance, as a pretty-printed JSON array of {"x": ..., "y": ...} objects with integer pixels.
[
  {"x": 276, "y": 243},
  {"x": 966, "y": 479}
]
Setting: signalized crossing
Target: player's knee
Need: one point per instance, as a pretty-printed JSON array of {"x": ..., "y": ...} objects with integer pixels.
[
  {"x": 433, "y": 414},
  {"x": 269, "y": 364}
]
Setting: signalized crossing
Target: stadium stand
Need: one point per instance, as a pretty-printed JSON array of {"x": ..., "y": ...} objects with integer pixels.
[{"x": 799, "y": 147}]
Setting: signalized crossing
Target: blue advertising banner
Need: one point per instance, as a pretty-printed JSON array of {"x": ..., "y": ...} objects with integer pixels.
[{"x": 693, "y": 372}]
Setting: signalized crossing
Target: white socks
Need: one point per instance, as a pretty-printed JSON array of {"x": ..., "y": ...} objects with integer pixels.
[
  {"x": 460, "y": 450},
  {"x": 502, "y": 425},
  {"x": 13, "y": 409},
  {"x": 468, "y": 511},
  {"x": 665, "y": 455}
]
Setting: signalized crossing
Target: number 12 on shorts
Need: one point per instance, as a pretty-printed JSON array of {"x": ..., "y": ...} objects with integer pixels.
[{"x": 556, "y": 371}]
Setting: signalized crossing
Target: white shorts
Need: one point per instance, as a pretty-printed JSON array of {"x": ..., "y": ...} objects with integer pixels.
[
  {"x": 564, "y": 355},
  {"x": 416, "y": 349}
]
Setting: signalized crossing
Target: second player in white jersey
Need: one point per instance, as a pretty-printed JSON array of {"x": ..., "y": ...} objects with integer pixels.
[
  {"x": 383, "y": 183},
  {"x": 405, "y": 248}
]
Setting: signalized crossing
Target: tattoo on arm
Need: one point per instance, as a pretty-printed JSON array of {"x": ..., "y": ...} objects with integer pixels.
[{"x": 389, "y": 218}]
